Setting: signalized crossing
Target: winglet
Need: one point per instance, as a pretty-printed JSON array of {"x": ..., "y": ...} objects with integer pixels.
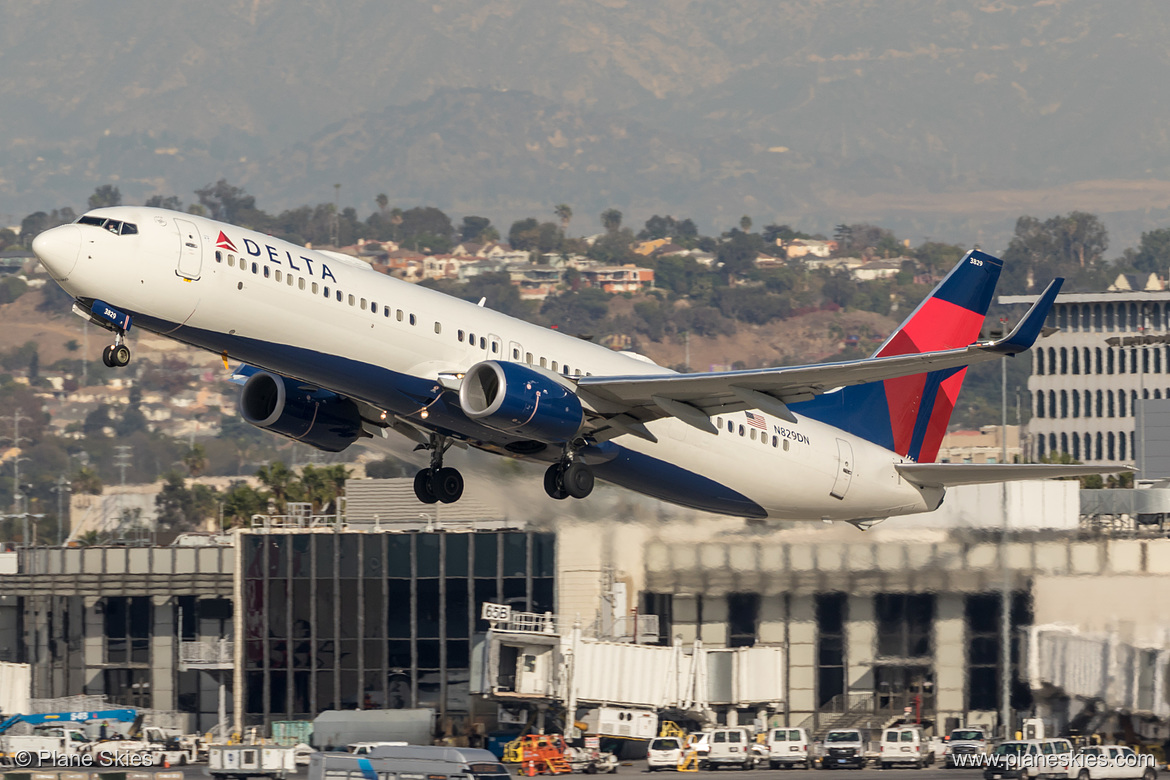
[{"x": 1027, "y": 331}]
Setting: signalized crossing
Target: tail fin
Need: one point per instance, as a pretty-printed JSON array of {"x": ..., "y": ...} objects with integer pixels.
[{"x": 909, "y": 415}]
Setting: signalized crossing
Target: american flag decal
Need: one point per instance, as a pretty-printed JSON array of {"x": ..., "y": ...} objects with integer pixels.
[{"x": 756, "y": 421}]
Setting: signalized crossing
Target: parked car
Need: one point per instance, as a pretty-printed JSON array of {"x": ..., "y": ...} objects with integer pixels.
[
  {"x": 788, "y": 747},
  {"x": 1030, "y": 759},
  {"x": 664, "y": 753},
  {"x": 844, "y": 747},
  {"x": 905, "y": 745}
]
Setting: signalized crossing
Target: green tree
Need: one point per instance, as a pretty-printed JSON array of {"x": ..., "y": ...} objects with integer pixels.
[
  {"x": 282, "y": 485},
  {"x": 611, "y": 220},
  {"x": 241, "y": 501},
  {"x": 382, "y": 201},
  {"x": 225, "y": 202},
  {"x": 745, "y": 223},
  {"x": 1153, "y": 252},
  {"x": 195, "y": 460},
  {"x": 564, "y": 214},
  {"x": 524, "y": 235},
  {"x": 105, "y": 195},
  {"x": 474, "y": 228},
  {"x": 86, "y": 481},
  {"x": 737, "y": 254}
]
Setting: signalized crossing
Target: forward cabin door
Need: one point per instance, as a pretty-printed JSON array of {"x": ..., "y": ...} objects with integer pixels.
[
  {"x": 190, "y": 250},
  {"x": 844, "y": 469}
]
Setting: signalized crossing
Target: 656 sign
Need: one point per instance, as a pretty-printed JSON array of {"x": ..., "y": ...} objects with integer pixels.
[{"x": 496, "y": 613}]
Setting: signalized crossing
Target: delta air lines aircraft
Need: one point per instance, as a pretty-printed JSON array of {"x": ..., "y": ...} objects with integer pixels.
[{"x": 332, "y": 351}]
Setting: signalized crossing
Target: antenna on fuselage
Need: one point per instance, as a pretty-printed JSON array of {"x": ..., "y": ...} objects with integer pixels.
[{"x": 482, "y": 301}]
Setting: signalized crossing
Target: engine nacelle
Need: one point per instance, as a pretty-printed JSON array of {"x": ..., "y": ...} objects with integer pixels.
[
  {"x": 319, "y": 418},
  {"x": 513, "y": 398}
]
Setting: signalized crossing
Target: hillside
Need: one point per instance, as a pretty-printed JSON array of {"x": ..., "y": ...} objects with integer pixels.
[{"x": 933, "y": 117}]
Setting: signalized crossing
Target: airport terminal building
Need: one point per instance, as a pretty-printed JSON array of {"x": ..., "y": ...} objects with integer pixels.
[{"x": 902, "y": 621}]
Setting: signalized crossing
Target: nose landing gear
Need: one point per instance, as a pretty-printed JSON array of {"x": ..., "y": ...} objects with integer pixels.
[
  {"x": 117, "y": 354},
  {"x": 438, "y": 484}
]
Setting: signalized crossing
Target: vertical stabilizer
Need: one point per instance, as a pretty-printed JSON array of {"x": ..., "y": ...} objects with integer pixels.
[{"x": 909, "y": 415}]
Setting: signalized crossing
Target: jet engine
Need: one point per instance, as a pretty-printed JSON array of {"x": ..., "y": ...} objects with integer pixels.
[
  {"x": 317, "y": 417},
  {"x": 516, "y": 399}
]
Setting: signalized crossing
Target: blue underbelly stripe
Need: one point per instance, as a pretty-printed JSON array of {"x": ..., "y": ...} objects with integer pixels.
[{"x": 405, "y": 394}]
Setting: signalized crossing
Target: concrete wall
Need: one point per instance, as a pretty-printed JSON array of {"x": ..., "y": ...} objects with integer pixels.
[{"x": 1132, "y": 605}]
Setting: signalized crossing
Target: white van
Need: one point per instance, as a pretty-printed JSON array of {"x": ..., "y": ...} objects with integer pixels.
[
  {"x": 788, "y": 747},
  {"x": 726, "y": 747},
  {"x": 904, "y": 745},
  {"x": 844, "y": 747}
]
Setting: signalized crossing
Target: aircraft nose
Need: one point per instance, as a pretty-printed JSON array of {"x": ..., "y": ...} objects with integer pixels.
[{"x": 58, "y": 248}]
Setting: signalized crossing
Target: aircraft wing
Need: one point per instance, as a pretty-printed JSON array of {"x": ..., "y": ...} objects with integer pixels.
[
  {"x": 629, "y": 401},
  {"x": 951, "y": 474}
]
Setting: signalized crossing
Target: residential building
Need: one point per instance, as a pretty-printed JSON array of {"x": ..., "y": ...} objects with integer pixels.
[{"x": 618, "y": 278}]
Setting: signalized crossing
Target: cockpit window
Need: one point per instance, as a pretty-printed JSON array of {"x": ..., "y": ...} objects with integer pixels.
[{"x": 115, "y": 226}]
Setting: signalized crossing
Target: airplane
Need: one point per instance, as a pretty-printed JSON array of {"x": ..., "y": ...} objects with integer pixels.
[{"x": 332, "y": 351}]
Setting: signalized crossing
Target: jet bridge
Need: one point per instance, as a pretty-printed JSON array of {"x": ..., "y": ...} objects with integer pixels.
[{"x": 532, "y": 661}]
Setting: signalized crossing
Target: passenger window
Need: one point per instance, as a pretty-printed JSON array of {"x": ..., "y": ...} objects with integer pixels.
[
  {"x": 278, "y": 274},
  {"x": 412, "y": 319},
  {"x": 471, "y": 339},
  {"x": 265, "y": 272},
  {"x": 291, "y": 279},
  {"x": 741, "y": 430},
  {"x": 554, "y": 365},
  {"x": 528, "y": 358},
  {"x": 438, "y": 328},
  {"x": 385, "y": 311},
  {"x": 363, "y": 302},
  {"x": 718, "y": 422},
  {"x": 775, "y": 441},
  {"x": 543, "y": 363},
  {"x": 373, "y": 308},
  {"x": 398, "y": 315},
  {"x": 495, "y": 347},
  {"x": 326, "y": 289},
  {"x": 314, "y": 287},
  {"x": 218, "y": 257},
  {"x": 459, "y": 335},
  {"x": 515, "y": 354},
  {"x": 753, "y": 434},
  {"x": 339, "y": 296},
  {"x": 255, "y": 268},
  {"x": 351, "y": 298},
  {"x": 730, "y": 427},
  {"x": 482, "y": 343},
  {"x": 231, "y": 261}
]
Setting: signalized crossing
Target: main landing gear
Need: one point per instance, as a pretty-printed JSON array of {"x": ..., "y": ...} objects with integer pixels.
[
  {"x": 568, "y": 477},
  {"x": 117, "y": 354},
  {"x": 438, "y": 484}
]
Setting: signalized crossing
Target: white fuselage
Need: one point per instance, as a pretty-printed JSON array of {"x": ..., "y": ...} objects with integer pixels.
[{"x": 385, "y": 342}]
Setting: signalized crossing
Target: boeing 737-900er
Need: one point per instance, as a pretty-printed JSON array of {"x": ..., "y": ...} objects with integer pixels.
[{"x": 333, "y": 351}]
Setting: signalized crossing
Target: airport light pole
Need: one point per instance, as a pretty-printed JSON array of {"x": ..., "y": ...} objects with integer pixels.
[{"x": 1005, "y": 595}]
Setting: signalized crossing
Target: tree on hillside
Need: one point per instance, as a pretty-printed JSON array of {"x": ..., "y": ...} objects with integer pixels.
[
  {"x": 1069, "y": 246},
  {"x": 564, "y": 213},
  {"x": 1153, "y": 252},
  {"x": 737, "y": 253},
  {"x": 476, "y": 229},
  {"x": 668, "y": 227},
  {"x": 426, "y": 227},
  {"x": 105, "y": 195},
  {"x": 611, "y": 220},
  {"x": 745, "y": 223},
  {"x": 225, "y": 202}
]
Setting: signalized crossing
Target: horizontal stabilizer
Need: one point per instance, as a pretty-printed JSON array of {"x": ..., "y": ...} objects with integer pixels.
[{"x": 952, "y": 474}]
